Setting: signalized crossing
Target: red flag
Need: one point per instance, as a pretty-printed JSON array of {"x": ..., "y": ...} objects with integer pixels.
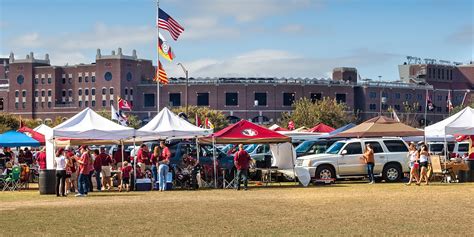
[
  {"x": 291, "y": 125},
  {"x": 123, "y": 104},
  {"x": 198, "y": 121},
  {"x": 160, "y": 75}
]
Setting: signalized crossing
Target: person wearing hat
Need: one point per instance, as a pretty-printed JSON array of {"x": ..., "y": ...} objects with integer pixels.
[{"x": 83, "y": 181}]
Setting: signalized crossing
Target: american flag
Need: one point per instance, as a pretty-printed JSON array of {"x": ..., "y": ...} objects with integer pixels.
[
  {"x": 160, "y": 75},
  {"x": 166, "y": 22}
]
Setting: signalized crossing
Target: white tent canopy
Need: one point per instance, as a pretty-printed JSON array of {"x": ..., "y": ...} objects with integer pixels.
[
  {"x": 89, "y": 125},
  {"x": 166, "y": 125},
  {"x": 461, "y": 123}
]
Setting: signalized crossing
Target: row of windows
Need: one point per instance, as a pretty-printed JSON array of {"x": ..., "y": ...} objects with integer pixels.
[
  {"x": 232, "y": 99},
  {"x": 93, "y": 103},
  {"x": 440, "y": 73}
]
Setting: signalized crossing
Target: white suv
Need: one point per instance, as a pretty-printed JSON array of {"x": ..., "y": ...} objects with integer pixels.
[{"x": 342, "y": 159}]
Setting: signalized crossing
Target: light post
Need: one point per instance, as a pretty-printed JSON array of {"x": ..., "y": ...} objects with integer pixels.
[
  {"x": 185, "y": 89},
  {"x": 383, "y": 99}
]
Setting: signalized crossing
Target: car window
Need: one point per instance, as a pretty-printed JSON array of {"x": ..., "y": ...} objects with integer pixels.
[
  {"x": 318, "y": 148},
  {"x": 395, "y": 146},
  {"x": 304, "y": 147},
  {"x": 353, "y": 148},
  {"x": 266, "y": 148},
  {"x": 375, "y": 146},
  {"x": 463, "y": 147},
  {"x": 335, "y": 148}
]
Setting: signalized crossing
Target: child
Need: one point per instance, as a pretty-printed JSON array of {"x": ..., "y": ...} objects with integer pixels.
[{"x": 126, "y": 172}]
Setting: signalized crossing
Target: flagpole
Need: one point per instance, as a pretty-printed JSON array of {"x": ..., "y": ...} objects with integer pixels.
[
  {"x": 426, "y": 111},
  {"x": 157, "y": 57}
]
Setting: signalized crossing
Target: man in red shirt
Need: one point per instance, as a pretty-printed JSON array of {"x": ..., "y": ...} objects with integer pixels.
[
  {"x": 241, "y": 162},
  {"x": 41, "y": 159},
  {"x": 143, "y": 157},
  {"x": 106, "y": 161},
  {"x": 126, "y": 170},
  {"x": 83, "y": 181}
]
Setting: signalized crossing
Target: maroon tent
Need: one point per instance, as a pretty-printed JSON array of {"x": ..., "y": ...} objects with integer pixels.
[
  {"x": 322, "y": 128},
  {"x": 245, "y": 132},
  {"x": 33, "y": 134}
]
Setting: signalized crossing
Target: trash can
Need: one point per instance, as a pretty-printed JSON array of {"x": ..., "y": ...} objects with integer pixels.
[
  {"x": 470, "y": 163},
  {"x": 47, "y": 182}
]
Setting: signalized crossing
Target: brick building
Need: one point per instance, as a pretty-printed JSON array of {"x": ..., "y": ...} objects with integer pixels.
[{"x": 33, "y": 88}]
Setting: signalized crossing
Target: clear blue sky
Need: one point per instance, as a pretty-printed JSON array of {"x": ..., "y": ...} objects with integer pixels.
[{"x": 290, "y": 38}]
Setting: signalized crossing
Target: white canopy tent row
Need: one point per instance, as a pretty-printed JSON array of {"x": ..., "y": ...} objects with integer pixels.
[{"x": 461, "y": 123}]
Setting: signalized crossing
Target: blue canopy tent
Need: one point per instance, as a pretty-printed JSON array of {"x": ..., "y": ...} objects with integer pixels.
[
  {"x": 16, "y": 139},
  {"x": 342, "y": 129}
]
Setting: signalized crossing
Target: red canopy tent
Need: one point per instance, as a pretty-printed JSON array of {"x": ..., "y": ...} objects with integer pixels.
[
  {"x": 245, "y": 132},
  {"x": 322, "y": 128},
  {"x": 34, "y": 134}
]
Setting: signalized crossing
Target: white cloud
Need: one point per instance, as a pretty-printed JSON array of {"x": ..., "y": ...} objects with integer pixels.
[
  {"x": 207, "y": 28},
  {"x": 464, "y": 35},
  {"x": 68, "y": 47},
  {"x": 292, "y": 28},
  {"x": 251, "y": 10},
  {"x": 278, "y": 63}
]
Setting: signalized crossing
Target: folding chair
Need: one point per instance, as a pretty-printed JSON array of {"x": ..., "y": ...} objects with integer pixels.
[
  {"x": 12, "y": 183},
  {"x": 231, "y": 183},
  {"x": 437, "y": 170}
]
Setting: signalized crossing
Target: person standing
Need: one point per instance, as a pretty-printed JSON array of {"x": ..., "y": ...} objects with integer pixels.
[
  {"x": 91, "y": 171},
  {"x": 413, "y": 157},
  {"x": 126, "y": 173},
  {"x": 28, "y": 157},
  {"x": 41, "y": 159},
  {"x": 163, "y": 168},
  {"x": 241, "y": 162},
  {"x": 154, "y": 166},
  {"x": 60, "y": 164},
  {"x": 424, "y": 157},
  {"x": 369, "y": 159},
  {"x": 97, "y": 169},
  {"x": 106, "y": 162},
  {"x": 83, "y": 162}
]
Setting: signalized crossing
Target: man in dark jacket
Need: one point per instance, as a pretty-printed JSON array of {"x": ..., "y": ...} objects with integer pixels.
[{"x": 241, "y": 162}]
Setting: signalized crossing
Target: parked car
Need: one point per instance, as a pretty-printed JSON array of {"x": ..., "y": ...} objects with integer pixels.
[
  {"x": 342, "y": 159},
  {"x": 179, "y": 148},
  {"x": 460, "y": 149},
  {"x": 313, "y": 147},
  {"x": 437, "y": 148}
]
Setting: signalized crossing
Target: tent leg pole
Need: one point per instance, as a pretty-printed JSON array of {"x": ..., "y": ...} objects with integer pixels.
[
  {"x": 134, "y": 167},
  {"x": 214, "y": 156}
]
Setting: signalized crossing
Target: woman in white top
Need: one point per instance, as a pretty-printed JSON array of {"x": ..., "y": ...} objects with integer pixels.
[
  {"x": 413, "y": 157},
  {"x": 424, "y": 157},
  {"x": 60, "y": 164}
]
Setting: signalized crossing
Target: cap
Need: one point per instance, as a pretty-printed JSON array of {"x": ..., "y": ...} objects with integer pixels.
[
  {"x": 68, "y": 148},
  {"x": 84, "y": 147}
]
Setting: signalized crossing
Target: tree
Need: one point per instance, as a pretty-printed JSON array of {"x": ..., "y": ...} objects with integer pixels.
[
  {"x": 216, "y": 117},
  {"x": 328, "y": 111},
  {"x": 409, "y": 116},
  {"x": 461, "y": 107},
  {"x": 8, "y": 122}
]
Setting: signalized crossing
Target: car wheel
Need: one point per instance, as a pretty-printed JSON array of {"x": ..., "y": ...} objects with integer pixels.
[
  {"x": 325, "y": 172},
  {"x": 392, "y": 173}
]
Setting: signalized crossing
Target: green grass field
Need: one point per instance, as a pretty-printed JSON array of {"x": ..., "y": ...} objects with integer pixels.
[{"x": 341, "y": 209}]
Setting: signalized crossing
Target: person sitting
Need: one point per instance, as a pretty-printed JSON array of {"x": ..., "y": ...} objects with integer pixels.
[{"x": 8, "y": 169}]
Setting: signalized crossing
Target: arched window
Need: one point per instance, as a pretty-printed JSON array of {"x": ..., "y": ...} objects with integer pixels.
[
  {"x": 93, "y": 91},
  {"x": 17, "y": 93},
  {"x": 104, "y": 90},
  {"x": 79, "y": 92},
  {"x": 111, "y": 90},
  {"x": 126, "y": 91}
]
